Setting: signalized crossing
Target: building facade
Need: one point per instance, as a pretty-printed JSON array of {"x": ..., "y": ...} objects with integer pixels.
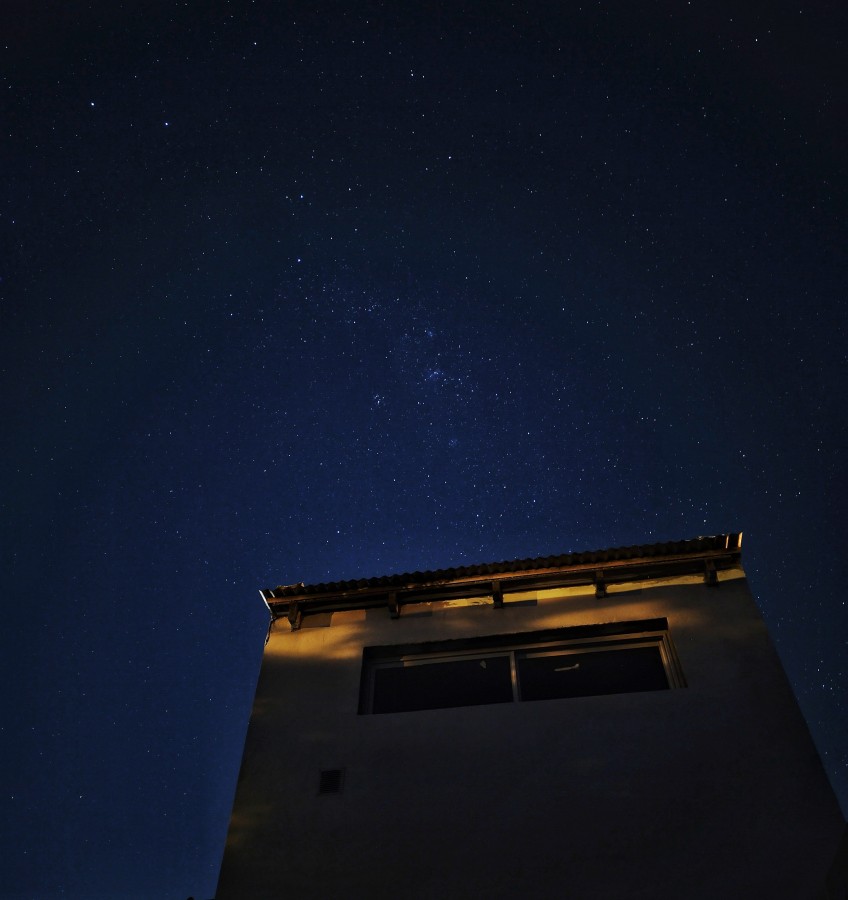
[{"x": 614, "y": 724}]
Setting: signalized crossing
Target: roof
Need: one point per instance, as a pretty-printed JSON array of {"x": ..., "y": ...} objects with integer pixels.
[{"x": 615, "y": 564}]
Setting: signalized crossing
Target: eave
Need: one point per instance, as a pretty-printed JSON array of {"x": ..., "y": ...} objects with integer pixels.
[{"x": 705, "y": 556}]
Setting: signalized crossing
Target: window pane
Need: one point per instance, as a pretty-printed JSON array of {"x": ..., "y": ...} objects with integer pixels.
[
  {"x": 548, "y": 676},
  {"x": 437, "y": 685}
]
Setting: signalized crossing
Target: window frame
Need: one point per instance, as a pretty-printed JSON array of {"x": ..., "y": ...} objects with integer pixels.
[{"x": 579, "y": 639}]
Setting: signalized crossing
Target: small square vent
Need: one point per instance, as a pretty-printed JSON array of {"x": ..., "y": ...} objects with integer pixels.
[{"x": 331, "y": 781}]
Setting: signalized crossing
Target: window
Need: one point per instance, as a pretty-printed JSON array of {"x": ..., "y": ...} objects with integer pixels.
[
  {"x": 583, "y": 661},
  {"x": 331, "y": 781}
]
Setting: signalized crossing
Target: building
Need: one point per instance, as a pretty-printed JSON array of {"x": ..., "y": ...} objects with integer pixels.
[{"x": 614, "y": 724}]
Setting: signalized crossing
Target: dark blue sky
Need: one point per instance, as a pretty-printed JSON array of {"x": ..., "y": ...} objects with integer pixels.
[{"x": 299, "y": 294}]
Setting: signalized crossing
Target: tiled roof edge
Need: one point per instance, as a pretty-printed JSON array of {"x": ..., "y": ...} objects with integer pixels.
[{"x": 717, "y": 542}]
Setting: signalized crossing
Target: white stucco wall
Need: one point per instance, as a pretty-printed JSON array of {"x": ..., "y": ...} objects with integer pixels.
[{"x": 714, "y": 790}]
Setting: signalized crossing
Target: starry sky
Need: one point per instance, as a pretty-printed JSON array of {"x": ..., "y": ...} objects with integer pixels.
[{"x": 303, "y": 292}]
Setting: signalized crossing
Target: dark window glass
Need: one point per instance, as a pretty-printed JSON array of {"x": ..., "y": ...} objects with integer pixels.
[
  {"x": 440, "y": 684},
  {"x": 623, "y": 670}
]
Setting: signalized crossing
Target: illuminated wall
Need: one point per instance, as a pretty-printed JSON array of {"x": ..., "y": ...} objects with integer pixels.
[{"x": 695, "y": 777}]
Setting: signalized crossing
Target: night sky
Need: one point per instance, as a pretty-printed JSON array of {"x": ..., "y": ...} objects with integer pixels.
[{"x": 297, "y": 294}]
